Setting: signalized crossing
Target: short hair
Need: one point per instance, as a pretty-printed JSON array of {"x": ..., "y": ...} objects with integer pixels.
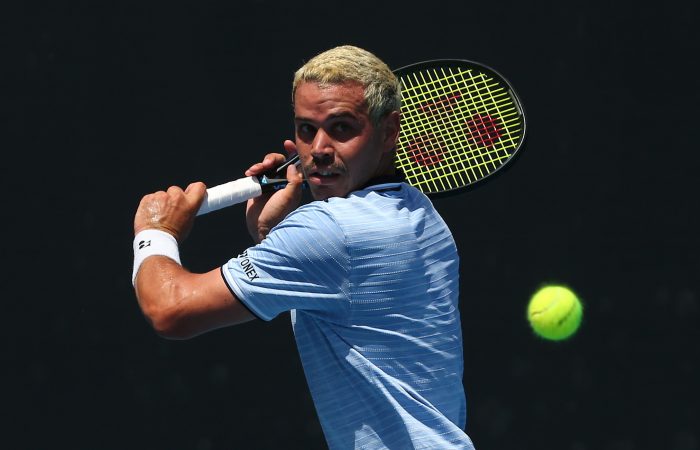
[{"x": 349, "y": 63}]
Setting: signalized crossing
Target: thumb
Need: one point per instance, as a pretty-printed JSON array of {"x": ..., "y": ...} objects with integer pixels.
[
  {"x": 195, "y": 193},
  {"x": 294, "y": 176},
  {"x": 290, "y": 147}
]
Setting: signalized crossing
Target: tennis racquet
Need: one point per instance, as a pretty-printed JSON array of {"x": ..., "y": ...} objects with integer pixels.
[{"x": 461, "y": 122}]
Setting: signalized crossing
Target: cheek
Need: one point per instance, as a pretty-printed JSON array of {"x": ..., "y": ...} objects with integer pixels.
[
  {"x": 365, "y": 154},
  {"x": 303, "y": 150}
]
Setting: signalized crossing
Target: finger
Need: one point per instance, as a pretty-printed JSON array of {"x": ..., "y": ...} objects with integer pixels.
[
  {"x": 195, "y": 188},
  {"x": 294, "y": 176},
  {"x": 290, "y": 147},
  {"x": 270, "y": 161},
  {"x": 292, "y": 192},
  {"x": 174, "y": 191},
  {"x": 195, "y": 193}
]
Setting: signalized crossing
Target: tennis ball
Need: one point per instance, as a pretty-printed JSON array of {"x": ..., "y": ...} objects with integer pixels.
[{"x": 554, "y": 312}]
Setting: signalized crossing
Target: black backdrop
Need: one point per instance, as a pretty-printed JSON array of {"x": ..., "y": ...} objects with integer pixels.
[{"x": 106, "y": 101}]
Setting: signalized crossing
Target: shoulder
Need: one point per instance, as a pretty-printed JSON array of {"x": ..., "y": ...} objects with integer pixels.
[
  {"x": 312, "y": 222},
  {"x": 311, "y": 215},
  {"x": 388, "y": 199}
]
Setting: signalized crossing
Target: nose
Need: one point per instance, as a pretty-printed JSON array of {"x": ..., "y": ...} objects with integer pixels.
[{"x": 322, "y": 148}]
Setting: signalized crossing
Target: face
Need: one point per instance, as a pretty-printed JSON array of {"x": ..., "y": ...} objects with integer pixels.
[{"x": 339, "y": 148}]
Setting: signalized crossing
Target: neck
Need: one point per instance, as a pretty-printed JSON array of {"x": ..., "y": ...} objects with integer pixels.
[{"x": 395, "y": 176}]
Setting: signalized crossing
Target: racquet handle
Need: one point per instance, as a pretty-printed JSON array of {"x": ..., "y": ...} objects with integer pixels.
[
  {"x": 231, "y": 193},
  {"x": 243, "y": 189}
]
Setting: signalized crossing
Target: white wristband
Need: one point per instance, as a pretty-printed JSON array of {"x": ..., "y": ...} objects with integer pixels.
[{"x": 153, "y": 242}]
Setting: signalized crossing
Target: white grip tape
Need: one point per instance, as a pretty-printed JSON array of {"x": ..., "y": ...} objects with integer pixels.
[{"x": 230, "y": 193}]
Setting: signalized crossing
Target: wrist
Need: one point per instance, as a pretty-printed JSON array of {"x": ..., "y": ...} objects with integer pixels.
[{"x": 152, "y": 242}]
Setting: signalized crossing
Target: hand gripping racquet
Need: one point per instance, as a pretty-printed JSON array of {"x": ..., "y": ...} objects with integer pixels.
[{"x": 461, "y": 122}]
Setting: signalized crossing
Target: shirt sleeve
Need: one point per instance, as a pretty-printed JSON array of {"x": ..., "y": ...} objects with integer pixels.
[{"x": 302, "y": 264}]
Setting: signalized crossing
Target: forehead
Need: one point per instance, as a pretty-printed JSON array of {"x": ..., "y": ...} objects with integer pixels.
[{"x": 316, "y": 97}]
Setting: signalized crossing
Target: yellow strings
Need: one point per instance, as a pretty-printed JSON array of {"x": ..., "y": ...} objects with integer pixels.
[{"x": 437, "y": 106}]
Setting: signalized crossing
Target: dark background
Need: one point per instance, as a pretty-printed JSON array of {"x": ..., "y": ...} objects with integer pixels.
[{"x": 105, "y": 101}]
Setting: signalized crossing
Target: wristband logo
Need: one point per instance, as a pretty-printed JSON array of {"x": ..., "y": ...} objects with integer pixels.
[
  {"x": 247, "y": 266},
  {"x": 144, "y": 244}
]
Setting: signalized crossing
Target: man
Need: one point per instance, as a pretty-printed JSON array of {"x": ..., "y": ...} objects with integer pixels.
[{"x": 368, "y": 270}]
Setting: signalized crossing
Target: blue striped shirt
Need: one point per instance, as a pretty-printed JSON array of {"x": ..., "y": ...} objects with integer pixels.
[{"x": 372, "y": 283}]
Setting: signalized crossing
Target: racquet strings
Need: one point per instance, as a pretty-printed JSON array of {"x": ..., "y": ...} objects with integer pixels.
[{"x": 459, "y": 125}]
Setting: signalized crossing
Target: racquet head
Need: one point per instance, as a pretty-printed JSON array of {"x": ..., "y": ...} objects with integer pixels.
[{"x": 461, "y": 122}]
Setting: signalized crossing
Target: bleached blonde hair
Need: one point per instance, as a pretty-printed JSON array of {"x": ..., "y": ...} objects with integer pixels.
[{"x": 349, "y": 63}]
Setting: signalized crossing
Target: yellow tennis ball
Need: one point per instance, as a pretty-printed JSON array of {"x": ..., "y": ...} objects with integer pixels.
[{"x": 554, "y": 312}]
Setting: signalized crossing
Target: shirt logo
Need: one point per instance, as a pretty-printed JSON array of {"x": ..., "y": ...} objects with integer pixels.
[{"x": 247, "y": 266}]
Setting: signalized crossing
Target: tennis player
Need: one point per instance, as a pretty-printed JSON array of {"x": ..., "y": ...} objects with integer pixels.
[{"x": 369, "y": 270}]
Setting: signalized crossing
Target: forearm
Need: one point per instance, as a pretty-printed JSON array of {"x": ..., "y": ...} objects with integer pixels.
[
  {"x": 179, "y": 304},
  {"x": 161, "y": 293}
]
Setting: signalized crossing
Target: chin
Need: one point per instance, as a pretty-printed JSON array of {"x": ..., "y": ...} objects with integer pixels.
[{"x": 321, "y": 193}]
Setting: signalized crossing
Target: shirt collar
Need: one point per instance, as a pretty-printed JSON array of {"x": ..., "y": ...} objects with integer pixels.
[{"x": 384, "y": 182}]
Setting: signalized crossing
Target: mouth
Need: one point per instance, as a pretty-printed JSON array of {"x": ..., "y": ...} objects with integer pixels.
[{"x": 322, "y": 177}]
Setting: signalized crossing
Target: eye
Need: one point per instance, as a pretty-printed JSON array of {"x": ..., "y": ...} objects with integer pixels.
[
  {"x": 305, "y": 131},
  {"x": 342, "y": 127},
  {"x": 342, "y": 130}
]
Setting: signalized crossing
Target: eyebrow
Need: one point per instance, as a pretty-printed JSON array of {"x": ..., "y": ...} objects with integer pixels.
[{"x": 344, "y": 114}]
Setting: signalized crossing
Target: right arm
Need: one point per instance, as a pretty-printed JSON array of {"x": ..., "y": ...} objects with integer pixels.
[
  {"x": 180, "y": 304},
  {"x": 177, "y": 303}
]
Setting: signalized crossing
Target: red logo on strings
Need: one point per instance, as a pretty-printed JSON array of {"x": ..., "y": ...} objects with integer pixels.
[
  {"x": 441, "y": 105},
  {"x": 484, "y": 130},
  {"x": 425, "y": 150}
]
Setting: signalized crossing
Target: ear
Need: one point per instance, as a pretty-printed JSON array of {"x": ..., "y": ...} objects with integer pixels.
[{"x": 390, "y": 130}]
